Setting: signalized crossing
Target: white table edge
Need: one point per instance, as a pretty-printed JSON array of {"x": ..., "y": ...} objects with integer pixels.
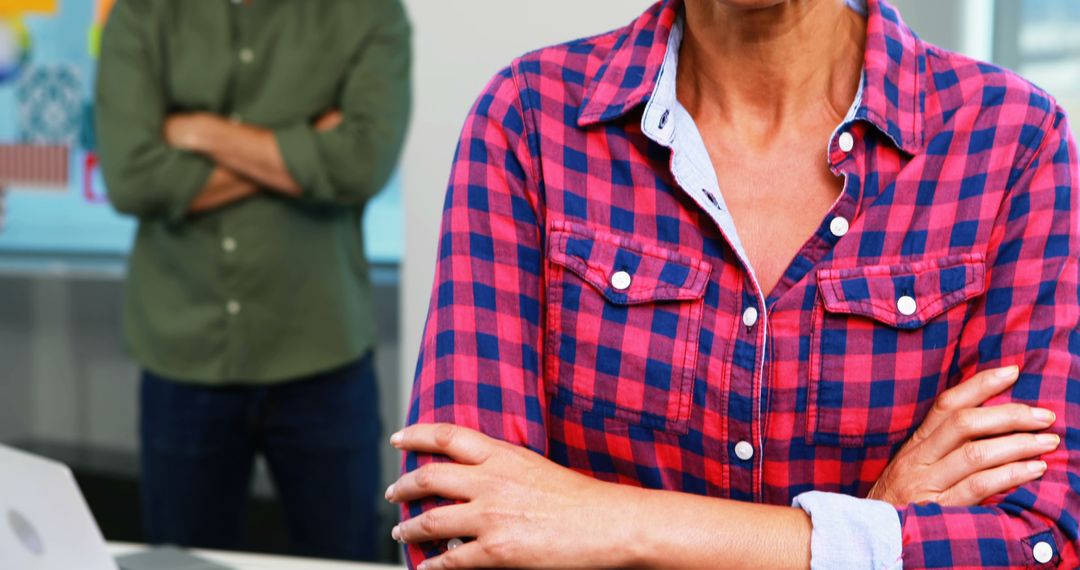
[{"x": 250, "y": 561}]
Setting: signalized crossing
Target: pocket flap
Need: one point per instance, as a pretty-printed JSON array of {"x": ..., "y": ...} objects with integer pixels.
[
  {"x": 907, "y": 295},
  {"x": 652, "y": 273}
]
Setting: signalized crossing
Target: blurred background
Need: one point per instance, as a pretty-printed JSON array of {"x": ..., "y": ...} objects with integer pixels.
[{"x": 67, "y": 387}]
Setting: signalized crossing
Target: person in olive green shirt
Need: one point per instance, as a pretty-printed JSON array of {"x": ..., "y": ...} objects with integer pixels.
[{"x": 246, "y": 137}]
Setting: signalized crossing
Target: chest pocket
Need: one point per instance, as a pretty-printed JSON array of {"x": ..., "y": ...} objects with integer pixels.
[
  {"x": 623, "y": 320},
  {"x": 880, "y": 345}
]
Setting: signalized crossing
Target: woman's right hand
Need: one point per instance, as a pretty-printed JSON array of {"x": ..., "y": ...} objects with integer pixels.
[{"x": 964, "y": 453}]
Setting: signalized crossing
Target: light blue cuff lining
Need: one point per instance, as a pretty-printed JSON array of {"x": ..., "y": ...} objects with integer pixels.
[{"x": 852, "y": 533}]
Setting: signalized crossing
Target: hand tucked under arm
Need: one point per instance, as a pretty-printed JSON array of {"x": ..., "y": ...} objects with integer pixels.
[{"x": 965, "y": 452}]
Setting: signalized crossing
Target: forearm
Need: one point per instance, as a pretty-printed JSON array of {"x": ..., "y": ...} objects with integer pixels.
[
  {"x": 679, "y": 530},
  {"x": 224, "y": 187},
  {"x": 250, "y": 151},
  {"x": 524, "y": 511}
]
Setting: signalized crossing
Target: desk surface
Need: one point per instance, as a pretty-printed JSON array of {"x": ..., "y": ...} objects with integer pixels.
[{"x": 245, "y": 561}]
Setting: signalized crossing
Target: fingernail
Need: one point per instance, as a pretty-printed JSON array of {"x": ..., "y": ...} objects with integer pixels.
[
  {"x": 395, "y": 439},
  {"x": 1043, "y": 415},
  {"x": 395, "y": 533},
  {"x": 1048, "y": 439},
  {"x": 389, "y": 493},
  {"x": 1037, "y": 466},
  {"x": 423, "y": 566},
  {"x": 1007, "y": 373}
]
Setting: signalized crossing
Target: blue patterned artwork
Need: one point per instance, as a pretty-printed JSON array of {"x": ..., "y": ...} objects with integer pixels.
[{"x": 50, "y": 104}]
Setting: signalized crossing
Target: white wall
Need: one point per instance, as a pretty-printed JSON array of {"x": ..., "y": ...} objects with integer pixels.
[{"x": 459, "y": 46}]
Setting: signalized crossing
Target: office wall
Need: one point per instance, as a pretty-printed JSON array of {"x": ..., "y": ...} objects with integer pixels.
[
  {"x": 965, "y": 26},
  {"x": 66, "y": 379},
  {"x": 460, "y": 45}
]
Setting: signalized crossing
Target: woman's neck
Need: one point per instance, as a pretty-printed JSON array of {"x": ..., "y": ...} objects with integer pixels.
[{"x": 760, "y": 69}]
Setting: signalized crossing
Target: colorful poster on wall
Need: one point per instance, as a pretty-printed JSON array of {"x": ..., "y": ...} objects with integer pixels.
[{"x": 46, "y": 86}]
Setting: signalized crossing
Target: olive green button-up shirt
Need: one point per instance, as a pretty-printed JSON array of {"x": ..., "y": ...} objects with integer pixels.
[{"x": 270, "y": 288}]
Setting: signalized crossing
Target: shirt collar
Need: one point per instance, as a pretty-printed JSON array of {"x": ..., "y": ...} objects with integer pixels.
[{"x": 892, "y": 91}]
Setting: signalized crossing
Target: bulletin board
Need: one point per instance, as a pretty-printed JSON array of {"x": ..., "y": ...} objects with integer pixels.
[{"x": 51, "y": 189}]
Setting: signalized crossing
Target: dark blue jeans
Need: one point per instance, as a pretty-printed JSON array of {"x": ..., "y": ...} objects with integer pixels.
[{"x": 320, "y": 436}]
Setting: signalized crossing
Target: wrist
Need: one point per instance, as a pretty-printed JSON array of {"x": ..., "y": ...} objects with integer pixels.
[{"x": 637, "y": 523}]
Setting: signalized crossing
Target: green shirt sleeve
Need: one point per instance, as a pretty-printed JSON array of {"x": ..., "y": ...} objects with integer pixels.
[
  {"x": 349, "y": 164},
  {"x": 144, "y": 176}
]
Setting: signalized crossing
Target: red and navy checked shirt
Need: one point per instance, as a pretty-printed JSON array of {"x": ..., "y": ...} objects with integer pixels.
[{"x": 957, "y": 252}]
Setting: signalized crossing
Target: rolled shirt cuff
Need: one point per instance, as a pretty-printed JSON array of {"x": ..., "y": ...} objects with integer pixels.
[
  {"x": 299, "y": 150},
  {"x": 186, "y": 183},
  {"x": 852, "y": 533}
]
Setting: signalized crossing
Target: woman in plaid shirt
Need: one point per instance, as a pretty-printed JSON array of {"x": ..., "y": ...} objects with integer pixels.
[{"x": 667, "y": 330}]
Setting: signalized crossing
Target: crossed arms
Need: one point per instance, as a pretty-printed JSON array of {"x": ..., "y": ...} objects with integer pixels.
[
  {"x": 165, "y": 166},
  {"x": 979, "y": 483}
]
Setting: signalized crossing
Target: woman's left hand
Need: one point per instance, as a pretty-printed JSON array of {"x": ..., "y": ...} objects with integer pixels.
[{"x": 521, "y": 509}]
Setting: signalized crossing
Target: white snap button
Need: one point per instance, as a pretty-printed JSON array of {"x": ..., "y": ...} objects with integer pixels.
[
  {"x": 247, "y": 56},
  {"x": 228, "y": 244},
  {"x": 454, "y": 543},
  {"x": 847, "y": 142},
  {"x": 232, "y": 307},
  {"x": 743, "y": 450},
  {"x": 620, "y": 280},
  {"x": 906, "y": 305},
  {"x": 1043, "y": 552},
  {"x": 750, "y": 316},
  {"x": 839, "y": 226}
]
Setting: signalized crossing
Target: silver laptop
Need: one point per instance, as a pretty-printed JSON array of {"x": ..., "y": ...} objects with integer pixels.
[
  {"x": 46, "y": 525},
  {"x": 44, "y": 521}
]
